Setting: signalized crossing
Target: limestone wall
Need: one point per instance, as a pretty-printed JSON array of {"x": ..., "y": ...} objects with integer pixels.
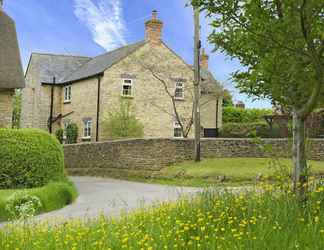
[
  {"x": 6, "y": 108},
  {"x": 146, "y": 155}
]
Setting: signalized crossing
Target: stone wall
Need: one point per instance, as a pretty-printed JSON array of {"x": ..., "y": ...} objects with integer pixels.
[
  {"x": 142, "y": 156},
  {"x": 6, "y": 108}
]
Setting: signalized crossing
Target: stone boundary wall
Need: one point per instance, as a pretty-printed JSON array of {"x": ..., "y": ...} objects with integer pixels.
[{"x": 147, "y": 155}]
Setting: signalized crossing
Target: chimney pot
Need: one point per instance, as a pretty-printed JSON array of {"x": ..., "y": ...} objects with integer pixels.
[
  {"x": 204, "y": 58},
  {"x": 153, "y": 29}
]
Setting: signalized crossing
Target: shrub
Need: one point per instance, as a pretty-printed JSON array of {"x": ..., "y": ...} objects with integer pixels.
[
  {"x": 59, "y": 135},
  {"x": 238, "y": 115},
  {"x": 72, "y": 133},
  {"x": 123, "y": 124},
  {"x": 52, "y": 196},
  {"x": 29, "y": 158},
  {"x": 242, "y": 130},
  {"x": 21, "y": 205}
]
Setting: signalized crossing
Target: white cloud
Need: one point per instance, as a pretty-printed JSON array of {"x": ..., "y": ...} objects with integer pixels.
[{"x": 104, "y": 20}]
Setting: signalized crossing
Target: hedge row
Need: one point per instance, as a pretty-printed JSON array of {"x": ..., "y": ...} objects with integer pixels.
[
  {"x": 239, "y": 115},
  {"x": 246, "y": 130},
  {"x": 29, "y": 158}
]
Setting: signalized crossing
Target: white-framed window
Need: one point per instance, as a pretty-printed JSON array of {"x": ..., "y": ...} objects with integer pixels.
[
  {"x": 179, "y": 90},
  {"x": 127, "y": 89},
  {"x": 67, "y": 93},
  {"x": 87, "y": 130},
  {"x": 177, "y": 131}
]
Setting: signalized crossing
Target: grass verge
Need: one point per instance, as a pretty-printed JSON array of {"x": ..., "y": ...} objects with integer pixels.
[
  {"x": 234, "y": 171},
  {"x": 53, "y": 196},
  {"x": 256, "y": 220}
]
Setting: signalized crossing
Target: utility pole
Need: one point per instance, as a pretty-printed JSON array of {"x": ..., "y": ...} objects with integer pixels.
[{"x": 197, "y": 47}]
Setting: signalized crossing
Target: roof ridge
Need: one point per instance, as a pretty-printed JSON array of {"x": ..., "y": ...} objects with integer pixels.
[
  {"x": 102, "y": 55},
  {"x": 63, "y": 55}
]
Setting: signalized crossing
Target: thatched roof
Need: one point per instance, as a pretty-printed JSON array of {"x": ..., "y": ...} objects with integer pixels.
[{"x": 11, "y": 72}]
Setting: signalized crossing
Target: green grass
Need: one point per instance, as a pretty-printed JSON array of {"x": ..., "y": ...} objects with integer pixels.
[
  {"x": 237, "y": 171},
  {"x": 53, "y": 196},
  {"x": 253, "y": 221}
]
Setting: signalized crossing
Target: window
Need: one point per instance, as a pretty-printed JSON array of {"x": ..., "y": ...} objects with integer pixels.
[
  {"x": 127, "y": 87},
  {"x": 67, "y": 94},
  {"x": 179, "y": 90},
  {"x": 87, "y": 128},
  {"x": 177, "y": 130}
]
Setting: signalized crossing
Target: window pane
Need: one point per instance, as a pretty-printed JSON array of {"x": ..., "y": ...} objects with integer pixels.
[{"x": 127, "y": 90}]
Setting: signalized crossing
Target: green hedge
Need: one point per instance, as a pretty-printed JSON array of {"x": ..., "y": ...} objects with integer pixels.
[
  {"x": 53, "y": 196},
  {"x": 29, "y": 158},
  {"x": 242, "y": 130},
  {"x": 239, "y": 115}
]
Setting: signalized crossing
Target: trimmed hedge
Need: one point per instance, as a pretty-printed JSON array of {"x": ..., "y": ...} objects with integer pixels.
[
  {"x": 239, "y": 115},
  {"x": 29, "y": 158},
  {"x": 53, "y": 196},
  {"x": 242, "y": 130}
]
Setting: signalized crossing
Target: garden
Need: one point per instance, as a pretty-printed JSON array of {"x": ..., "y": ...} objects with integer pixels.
[{"x": 32, "y": 175}]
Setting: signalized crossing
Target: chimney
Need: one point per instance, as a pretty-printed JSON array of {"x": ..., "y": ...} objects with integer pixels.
[
  {"x": 153, "y": 30},
  {"x": 204, "y": 59}
]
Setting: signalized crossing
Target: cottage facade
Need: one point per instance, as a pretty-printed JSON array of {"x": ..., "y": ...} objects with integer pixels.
[
  {"x": 11, "y": 73},
  {"x": 71, "y": 89}
]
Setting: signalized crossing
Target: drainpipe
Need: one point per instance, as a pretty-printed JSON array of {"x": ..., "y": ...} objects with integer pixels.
[
  {"x": 52, "y": 107},
  {"x": 98, "y": 108},
  {"x": 217, "y": 114}
]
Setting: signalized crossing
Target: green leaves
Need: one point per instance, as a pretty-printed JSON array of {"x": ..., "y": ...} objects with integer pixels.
[{"x": 268, "y": 40}]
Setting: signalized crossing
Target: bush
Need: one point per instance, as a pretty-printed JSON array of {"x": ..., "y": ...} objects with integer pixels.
[
  {"x": 238, "y": 115},
  {"x": 59, "y": 135},
  {"x": 21, "y": 205},
  {"x": 29, "y": 158},
  {"x": 72, "y": 133},
  {"x": 242, "y": 130},
  {"x": 123, "y": 124},
  {"x": 52, "y": 196}
]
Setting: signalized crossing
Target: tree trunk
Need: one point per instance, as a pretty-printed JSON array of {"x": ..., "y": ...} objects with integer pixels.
[{"x": 299, "y": 155}]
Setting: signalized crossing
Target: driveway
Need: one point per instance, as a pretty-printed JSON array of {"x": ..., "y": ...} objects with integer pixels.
[{"x": 110, "y": 197}]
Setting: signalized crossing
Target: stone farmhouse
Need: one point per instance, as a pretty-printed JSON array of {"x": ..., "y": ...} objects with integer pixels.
[
  {"x": 11, "y": 73},
  {"x": 158, "y": 83}
]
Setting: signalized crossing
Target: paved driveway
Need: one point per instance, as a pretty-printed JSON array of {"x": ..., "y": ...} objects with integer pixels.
[{"x": 110, "y": 197}]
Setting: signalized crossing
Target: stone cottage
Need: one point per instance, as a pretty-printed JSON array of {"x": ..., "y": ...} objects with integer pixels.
[
  {"x": 11, "y": 73},
  {"x": 63, "y": 89}
]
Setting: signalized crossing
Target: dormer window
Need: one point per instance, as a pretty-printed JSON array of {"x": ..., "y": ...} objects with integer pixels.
[
  {"x": 179, "y": 90},
  {"x": 67, "y": 93},
  {"x": 127, "y": 89}
]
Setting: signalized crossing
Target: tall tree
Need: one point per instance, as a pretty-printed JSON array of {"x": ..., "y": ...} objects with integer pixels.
[{"x": 280, "y": 46}]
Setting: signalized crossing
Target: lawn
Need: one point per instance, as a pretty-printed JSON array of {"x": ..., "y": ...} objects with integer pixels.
[
  {"x": 261, "y": 220},
  {"x": 237, "y": 171},
  {"x": 52, "y": 196}
]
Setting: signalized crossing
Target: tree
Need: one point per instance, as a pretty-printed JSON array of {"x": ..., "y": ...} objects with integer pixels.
[
  {"x": 123, "y": 124},
  {"x": 280, "y": 46},
  {"x": 72, "y": 132},
  {"x": 227, "y": 99},
  {"x": 16, "y": 109},
  {"x": 163, "y": 70}
]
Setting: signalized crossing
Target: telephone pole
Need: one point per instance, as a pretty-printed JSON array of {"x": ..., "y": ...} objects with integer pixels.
[{"x": 197, "y": 47}]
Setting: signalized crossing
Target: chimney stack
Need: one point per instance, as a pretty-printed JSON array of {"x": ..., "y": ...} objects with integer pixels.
[
  {"x": 204, "y": 59},
  {"x": 153, "y": 31}
]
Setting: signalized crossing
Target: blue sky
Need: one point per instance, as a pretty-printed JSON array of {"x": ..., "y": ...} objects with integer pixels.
[{"x": 91, "y": 27}]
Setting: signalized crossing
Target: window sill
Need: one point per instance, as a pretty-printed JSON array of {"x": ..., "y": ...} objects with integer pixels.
[
  {"x": 127, "y": 96},
  {"x": 66, "y": 102},
  {"x": 181, "y": 99},
  {"x": 86, "y": 138}
]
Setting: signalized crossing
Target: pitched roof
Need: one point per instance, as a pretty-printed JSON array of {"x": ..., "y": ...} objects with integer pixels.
[
  {"x": 102, "y": 62},
  {"x": 11, "y": 72},
  {"x": 56, "y": 65},
  {"x": 68, "y": 69}
]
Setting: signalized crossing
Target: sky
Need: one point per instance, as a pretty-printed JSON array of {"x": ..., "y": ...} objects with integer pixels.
[{"x": 92, "y": 27}]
